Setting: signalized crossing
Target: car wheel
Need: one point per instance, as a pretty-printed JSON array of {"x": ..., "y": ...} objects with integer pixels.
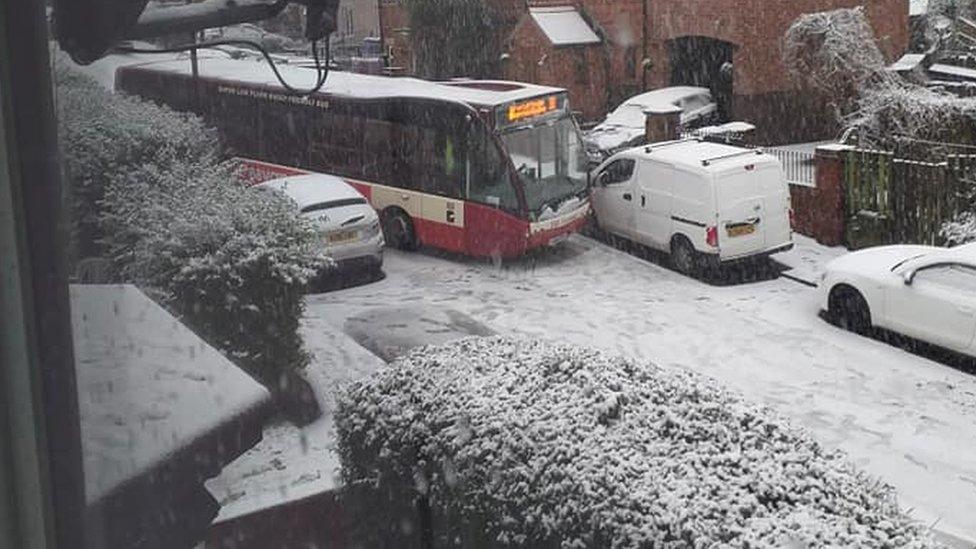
[
  {"x": 848, "y": 310},
  {"x": 684, "y": 257},
  {"x": 398, "y": 230}
]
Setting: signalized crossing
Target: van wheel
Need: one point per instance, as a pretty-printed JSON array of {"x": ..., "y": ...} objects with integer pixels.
[
  {"x": 847, "y": 309},
  {"x": 398, "y": 230},
  {"x": 684, "y": 257}
]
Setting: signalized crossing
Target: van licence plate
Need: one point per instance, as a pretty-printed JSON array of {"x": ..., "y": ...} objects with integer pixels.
[
  {"x": 740, "y": 230},
  {"x": 342, "y": 236}
]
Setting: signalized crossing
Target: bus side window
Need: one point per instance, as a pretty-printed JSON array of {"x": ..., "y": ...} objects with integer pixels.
[
  {"x": 488, "y": 180},
  {"x": 380, "y": 151},
  {"x": 336, "y": 145},
  {"x": 439, "y": 165}
]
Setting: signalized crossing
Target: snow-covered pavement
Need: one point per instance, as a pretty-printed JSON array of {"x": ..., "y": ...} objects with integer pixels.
[{"x": 900, "y": 416}]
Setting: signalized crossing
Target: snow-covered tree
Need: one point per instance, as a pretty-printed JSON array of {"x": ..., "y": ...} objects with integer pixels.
[
  {"x": 453, "y": 38},
  {"x": 834, "y": 53}
]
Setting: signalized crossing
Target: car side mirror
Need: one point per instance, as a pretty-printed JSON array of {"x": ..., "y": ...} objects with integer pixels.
[
  {"x": 603, "y": 178},
  {"x": 908, "y": 277}
]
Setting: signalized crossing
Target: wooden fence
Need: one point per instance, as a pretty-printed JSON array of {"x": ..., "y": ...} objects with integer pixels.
[{"x": 891, "y": 200}]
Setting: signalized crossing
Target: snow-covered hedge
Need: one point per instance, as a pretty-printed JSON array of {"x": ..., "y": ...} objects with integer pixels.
[
  {"x": 961, "y": 230},
  {"x": 232, "y": 262},
  {"x": 518, "y": 442},
  {"x": 102, "y": 135},
  {"x": 891, "y": 110}
]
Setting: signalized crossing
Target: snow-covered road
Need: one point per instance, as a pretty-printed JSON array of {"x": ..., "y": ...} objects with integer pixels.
[{"x": 900, "y": 416}]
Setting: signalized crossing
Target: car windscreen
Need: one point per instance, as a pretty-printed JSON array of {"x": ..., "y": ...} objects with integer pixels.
[{"x": 318, "y": 206}]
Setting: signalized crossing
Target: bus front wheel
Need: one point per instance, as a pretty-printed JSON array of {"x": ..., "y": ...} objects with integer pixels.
[{"x": 398, "y": 230}]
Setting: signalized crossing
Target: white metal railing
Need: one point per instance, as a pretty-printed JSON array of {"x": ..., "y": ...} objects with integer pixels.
[{"x": 798, "y": 166}]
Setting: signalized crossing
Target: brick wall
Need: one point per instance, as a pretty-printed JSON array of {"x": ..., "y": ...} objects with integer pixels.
[
  {"x": 757, "y": 28},
  {"x": 762, "y": 90},
  {"x": 819, "y": 211},
  {"x": 620, "y": 23},
  {"x": 582, "y": 70}
]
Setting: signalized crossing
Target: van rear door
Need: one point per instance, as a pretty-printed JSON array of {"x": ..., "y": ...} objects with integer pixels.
[{"x": 740, "y": 202}]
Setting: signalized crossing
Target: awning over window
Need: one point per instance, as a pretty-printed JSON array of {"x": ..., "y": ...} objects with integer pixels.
[{"x": 564, "y": 26}]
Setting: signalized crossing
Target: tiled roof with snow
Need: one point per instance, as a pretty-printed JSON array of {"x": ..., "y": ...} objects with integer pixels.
[{"x": 564, "y": 26}]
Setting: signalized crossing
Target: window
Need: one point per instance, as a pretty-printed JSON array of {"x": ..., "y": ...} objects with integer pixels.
[
  {"x": 618, "y": 171},
  {"x": 488, "y": 181},
  {"x": 955, "y": 277},
  {"x": 243, "y": 375}
]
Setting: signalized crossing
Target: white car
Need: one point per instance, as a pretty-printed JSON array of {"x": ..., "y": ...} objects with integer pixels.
[
  {"x": 923, "y": 292},
  {"x": 624, "y": 127},
  {"x": 349, "y": 227}
]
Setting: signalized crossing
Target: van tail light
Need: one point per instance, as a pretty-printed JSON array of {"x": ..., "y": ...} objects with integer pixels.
[
  {"x": 711, "y": 236},
  {"x": 792, "y": 218}
]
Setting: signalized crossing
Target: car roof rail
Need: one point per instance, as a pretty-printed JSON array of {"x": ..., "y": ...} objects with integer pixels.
[
  {"x": 708, "y": 161},
  {"x": 654, "y": 146}
]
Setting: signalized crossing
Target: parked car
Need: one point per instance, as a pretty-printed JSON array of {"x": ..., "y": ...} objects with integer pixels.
[
  {"x": 348, "y": 225},
  {"x": 924, "y": 292},
  {"x": 705, "y": 203},
  {"x": 624, "y": 127}
]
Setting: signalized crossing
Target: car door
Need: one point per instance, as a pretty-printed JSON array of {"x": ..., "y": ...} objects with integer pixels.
[
  {"x": 613, "y": 197},
  {"x": 937, "y": 306},
  {"x": 653, "y": 204}
]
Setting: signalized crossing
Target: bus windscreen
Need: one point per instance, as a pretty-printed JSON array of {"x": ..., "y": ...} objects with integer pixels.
[{"x": 549, "y": 161}]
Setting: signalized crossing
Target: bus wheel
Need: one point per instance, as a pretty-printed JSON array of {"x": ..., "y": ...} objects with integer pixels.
[{"x": 398, "y": 230}]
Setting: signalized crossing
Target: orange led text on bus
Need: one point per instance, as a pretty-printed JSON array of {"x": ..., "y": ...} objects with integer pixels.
[{"x": 528, "y": 109}]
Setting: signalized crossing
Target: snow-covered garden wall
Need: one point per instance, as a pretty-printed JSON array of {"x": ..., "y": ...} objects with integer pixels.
[
  {"x": 149, "y": 196},
  {"x": 517, "y": 442}
]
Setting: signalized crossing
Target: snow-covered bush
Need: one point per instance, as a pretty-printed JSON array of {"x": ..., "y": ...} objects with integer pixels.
[
  {"x": 961, "y": 230},
  {"x": 833, "y": 52},
  {"x": 102, "y": 134},
  {"x": 518, "y": 442},
  {"x": 892, "y": 110},
  {"x": 232, "y": 262}
]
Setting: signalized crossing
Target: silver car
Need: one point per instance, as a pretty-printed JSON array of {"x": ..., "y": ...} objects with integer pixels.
[
  {"x": 624, "y": 127},
  {"x": 349, "y": 227}
]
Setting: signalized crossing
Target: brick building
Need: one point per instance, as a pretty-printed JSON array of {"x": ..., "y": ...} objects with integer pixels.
[
  {"x": 733, "y": 47},
  {"x": 555, "y": 46}
]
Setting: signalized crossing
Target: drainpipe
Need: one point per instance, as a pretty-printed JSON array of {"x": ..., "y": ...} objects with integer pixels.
[{"x": 644, "y": 14}]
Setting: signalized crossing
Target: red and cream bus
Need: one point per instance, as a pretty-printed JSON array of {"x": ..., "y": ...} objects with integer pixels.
[{"x": 485, "y": 168}]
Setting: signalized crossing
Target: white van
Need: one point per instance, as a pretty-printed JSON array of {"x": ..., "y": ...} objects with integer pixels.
[{"x": 705, "y": 203}]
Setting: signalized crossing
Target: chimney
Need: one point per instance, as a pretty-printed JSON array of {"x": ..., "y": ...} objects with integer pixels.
[{"x": 661, "y": 123}]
